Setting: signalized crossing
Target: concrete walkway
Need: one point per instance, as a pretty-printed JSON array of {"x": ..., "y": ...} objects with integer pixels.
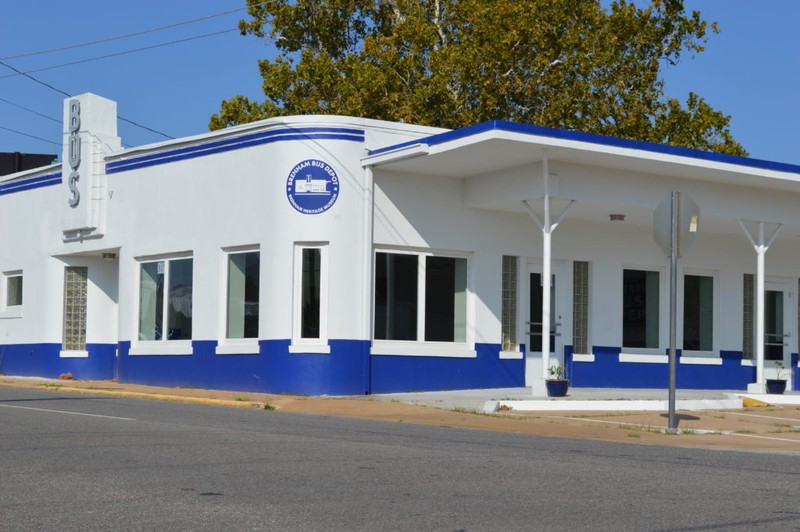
[{"x": 585, "y": 399}]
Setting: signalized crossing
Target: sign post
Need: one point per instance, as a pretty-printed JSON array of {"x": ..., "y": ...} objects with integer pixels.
[{"x": 674, "y": 229}]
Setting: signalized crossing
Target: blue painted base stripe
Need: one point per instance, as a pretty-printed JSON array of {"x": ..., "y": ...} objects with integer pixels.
[
  {"x": 608, "y": 372},
  {"x": 44, "y": 360},
  {"x": 412, "y": 373}
]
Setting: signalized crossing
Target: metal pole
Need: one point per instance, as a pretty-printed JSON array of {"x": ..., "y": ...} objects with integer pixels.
[
  {"x": 761, "y": 250},
  {"x": 673, "y": 296},
  {"x": 546, "y": 268}
]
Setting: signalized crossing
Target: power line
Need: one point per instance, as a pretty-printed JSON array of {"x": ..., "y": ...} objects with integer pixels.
[
  {"x": 71, "y": 63},
  {"x": 126, "y": 36},
  {"x": 69, "y": 95},
  {"x": 27, "y": 135},
  {"x": 30, "y": 110}
]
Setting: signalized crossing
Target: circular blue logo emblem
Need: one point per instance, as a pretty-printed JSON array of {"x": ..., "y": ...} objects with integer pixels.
[{"x": 312, "y": 187}]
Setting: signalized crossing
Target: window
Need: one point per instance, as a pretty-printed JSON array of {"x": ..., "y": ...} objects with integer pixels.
[
  {"x": 310, "y": 293},
  {"x": 420, "y": 298},
  {"x": 698, "y": 313},
  {"x": 580, "y": 307},
  {"x": 75, "y": 284},
  {"x": 640, "y": 308},
  {"x": 13, "y": 289},
  {"x": 509, "y": 311},
  {"x": 243, "y": 298},
  {"x": 165, "y": 315},
  {"x": 310, "y": 333}
]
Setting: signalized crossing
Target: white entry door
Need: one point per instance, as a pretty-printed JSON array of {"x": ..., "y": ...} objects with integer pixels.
[
  {"x": 533, "y": 324},
  {"x": 777, "y": 326}
]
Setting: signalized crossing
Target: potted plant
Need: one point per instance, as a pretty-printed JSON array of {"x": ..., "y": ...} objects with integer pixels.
[
  {"x": 557, "y": 384},
  {"x": 777, "y": 385}
]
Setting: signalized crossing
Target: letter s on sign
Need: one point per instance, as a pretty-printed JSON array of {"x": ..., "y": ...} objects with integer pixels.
[{"x": 74, "y": 177}]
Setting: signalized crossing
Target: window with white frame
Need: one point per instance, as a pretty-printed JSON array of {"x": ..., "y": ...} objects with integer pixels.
[
  {"x": 243, "y": 295},
  {"x": 13, "y": 289},
  {"x": 640, "y": 308},
  {"x": 165, "y": 300},
  {"x": 310, "y": 297},
  {"x": 420, "y": 297},
  {"x": 698, "y": 312}
]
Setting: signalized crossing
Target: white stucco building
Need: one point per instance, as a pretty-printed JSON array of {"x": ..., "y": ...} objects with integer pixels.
[{"x": 336, "y": 255}]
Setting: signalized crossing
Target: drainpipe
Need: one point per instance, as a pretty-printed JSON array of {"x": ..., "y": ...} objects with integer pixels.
[
  {"x": 761, "y": 248},
  {"x": 366, "y": 302}
]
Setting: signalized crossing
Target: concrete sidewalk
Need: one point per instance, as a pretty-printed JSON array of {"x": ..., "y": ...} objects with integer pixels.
[{"x": 585, "y": 399}]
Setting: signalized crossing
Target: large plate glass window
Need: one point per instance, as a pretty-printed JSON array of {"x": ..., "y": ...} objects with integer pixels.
[
  {"x": 165, "y": 300},
  {"x": 420, "y": 297}
]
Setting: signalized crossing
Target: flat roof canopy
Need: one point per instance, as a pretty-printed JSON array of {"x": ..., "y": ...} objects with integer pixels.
[{"x": 495, "y": 147}]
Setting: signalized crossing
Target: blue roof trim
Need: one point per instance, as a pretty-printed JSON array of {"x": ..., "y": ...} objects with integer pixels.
[
  {"x": 235, "y": 143},
  {"x": 30, "y": 183},
  {"x": 527, "y": 129}
]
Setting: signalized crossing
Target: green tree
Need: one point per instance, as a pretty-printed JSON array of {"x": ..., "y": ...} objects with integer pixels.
[{"x": 571, "y": 64}]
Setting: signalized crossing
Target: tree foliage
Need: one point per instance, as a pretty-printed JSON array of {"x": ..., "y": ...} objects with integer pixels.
[{"x": 571, "y": 64}]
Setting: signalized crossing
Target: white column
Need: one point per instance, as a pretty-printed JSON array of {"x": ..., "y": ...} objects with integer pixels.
[
  {"x": 761, "y": 251},
  {"x": 761, "y": 246},
  {"x": 547, "y": 227},
  {"x": 546, "y": 269}
]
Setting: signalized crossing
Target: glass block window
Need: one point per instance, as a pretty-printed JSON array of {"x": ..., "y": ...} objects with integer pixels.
[
  {"x": 509, "y": 311},
  {"x": 580, "y": 307},
  {"x": 75, "y": 289},
  {"x": 748, "y": 315}
]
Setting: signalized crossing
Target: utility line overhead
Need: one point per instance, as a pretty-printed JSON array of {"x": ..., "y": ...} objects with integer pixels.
[
  {"x": 69, "y": 95},
  {"x": 125, "y": 36},
  {"x": 160, "y": 45},
  {"x": 28, "y": 135},
  {"x": 57, "y": 121}
]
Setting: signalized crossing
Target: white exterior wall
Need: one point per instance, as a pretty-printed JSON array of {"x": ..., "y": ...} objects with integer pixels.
[{"x": 428, "y": 211}]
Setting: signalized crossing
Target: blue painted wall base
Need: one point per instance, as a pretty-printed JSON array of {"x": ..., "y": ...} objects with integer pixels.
[{"x": 44, "y": 360}]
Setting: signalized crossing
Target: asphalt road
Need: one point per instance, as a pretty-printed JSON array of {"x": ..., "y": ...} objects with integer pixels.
[{"x": 79, "y": 462}]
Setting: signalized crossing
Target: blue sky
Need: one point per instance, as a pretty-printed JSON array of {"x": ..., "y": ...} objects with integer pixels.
[{"x": 751, "y": 70}]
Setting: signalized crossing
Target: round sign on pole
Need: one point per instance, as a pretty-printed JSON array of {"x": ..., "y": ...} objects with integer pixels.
[
  {"x": 688, "y": 215},
  {"x": 312, "y": 186}
]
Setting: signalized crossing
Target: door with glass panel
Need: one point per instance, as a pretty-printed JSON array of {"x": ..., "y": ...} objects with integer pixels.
[
  {"x": 777, "y": 323},
  {"x": 535, "y": 341}
]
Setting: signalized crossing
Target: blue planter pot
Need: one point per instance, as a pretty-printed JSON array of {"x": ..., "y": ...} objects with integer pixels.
[
  {"x": 776, "y": 386},
  {"x": 557, "y": 388}
]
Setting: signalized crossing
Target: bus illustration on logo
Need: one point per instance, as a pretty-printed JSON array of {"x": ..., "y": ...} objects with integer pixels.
[{"x": 312, "y": 187}]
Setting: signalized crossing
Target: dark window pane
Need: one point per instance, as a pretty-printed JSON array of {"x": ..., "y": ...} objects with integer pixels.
[
  {"x": 310, "y": 304},
  {"x": 179, "y": 304},
  {"x": 640, "y": 309},
  {"x": 698, "y": 312},
  {"x": 396, "y": 296},
  {"x": 445, "y": 299}
]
